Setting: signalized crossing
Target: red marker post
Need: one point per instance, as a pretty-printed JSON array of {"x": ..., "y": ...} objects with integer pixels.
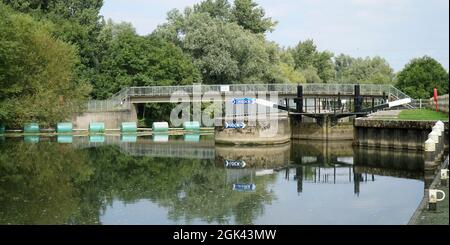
[{"x": 436, "y": 99}]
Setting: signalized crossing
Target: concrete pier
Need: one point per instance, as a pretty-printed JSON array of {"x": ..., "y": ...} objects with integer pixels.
[
  {"x": 394, "y": 134},
  {"x": 274, "y": 130}
]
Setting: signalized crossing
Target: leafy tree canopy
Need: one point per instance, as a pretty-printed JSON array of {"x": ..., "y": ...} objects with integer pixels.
[
  {"x": 76, "y": 21},
  {"x": 37, "y": 81},
  {"x": 133, "y": 60},
  {"x": 374, "y": 70},
  {"x": 421, "y": 75},
  {"x": 223, "y": 52},
  {"x": 308, "y": 58}
]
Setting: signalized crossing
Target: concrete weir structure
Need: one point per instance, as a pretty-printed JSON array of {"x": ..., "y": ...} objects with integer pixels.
[
  {"x": 394, "y": 134},
  {"x": 273, "y": 130},
  {"x": 309, "y": 129}
]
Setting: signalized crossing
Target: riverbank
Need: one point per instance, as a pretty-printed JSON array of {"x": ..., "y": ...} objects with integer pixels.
[
  {"x": 423, "y": 216},
  {"x": 386, "y": 129}
]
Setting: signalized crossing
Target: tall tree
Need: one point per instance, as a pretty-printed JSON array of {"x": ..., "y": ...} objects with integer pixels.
[
  {"x": 421, "y": 75},
  {"x": 308, "y": 58},
  {"x": 133, "y": 60},
  {"x": 222, "y": 51},
  {"x": 215, "y": 8},
  {"x": 247, "y": 14},
  {"x": 76, "y": 21},
  {"x": 37, "y": 80},
  {"x": 374, "y": 70}
]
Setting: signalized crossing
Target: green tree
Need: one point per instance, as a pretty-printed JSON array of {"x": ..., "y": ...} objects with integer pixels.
[
  {"x": 247, "y": 14},
  {"x": 310, "y": 74},
  {"x": 133, "y": 60},
  {"x": 222, "y": 51},
  {"x": 421, "y": 75},
  {"x": 215, "y": 8},
  {"x": 306, "y": 56},
  {"x": 76, "y": 21},
  {"x": 374, "y": 70},
  {"x": 37, "y": 81}
]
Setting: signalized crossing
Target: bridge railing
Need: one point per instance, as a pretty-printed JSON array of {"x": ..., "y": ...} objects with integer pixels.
[{"x": 121, "y": 100}]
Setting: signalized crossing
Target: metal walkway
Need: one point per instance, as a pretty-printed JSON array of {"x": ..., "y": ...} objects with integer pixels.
[{"x": 124, "y": 99}]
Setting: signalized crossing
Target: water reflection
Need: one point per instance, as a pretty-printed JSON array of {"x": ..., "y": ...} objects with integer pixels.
[
  {"x": 143, "y": 181},
  {"x": 64, "y": 139},
  {"x": 31, "y": 138},
  {"x": 254, "y": 156},
  {"x": 192, "y": 137},
  {"x": 98, "y": 138},
  {"x": 160, "y": 137},
  {"x": 129, "y": 138}
]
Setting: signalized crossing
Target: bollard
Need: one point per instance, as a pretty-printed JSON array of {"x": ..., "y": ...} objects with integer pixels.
[
  {"x": 435, "y": 137},
  {"x": 441, "y": 124},
  {"x": 433, "y": 198},
  {"x": 430, "y": 153},
  {"x": 444, "y": 177},
  {"x": 440, "y": 139}
]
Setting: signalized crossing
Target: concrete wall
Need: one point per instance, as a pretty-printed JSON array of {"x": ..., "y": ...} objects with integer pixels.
[
  {"x": 112, "y": 120},
  {"x": 392, "y": 134},
  {"x": 273, "y": 131},
  {"x": 312, "y": 131}
]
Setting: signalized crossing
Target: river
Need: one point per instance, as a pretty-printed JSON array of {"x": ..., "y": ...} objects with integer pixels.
[{"x": 188, "y": 179}]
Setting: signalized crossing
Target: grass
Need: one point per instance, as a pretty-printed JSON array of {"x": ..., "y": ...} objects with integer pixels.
[{"x": 422, "y": 114}]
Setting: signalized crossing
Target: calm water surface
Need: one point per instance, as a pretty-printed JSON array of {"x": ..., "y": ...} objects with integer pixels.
[{"x": 190, "y": 180}]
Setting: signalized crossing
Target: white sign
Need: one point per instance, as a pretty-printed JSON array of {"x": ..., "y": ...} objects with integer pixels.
[
  {"x": 244, "y": 187},
  {"x": 244, "y": 101},
  {"x": 225, "y": 88},
  {"x": 235, "y": 164},
  {"x": 239, "y": 125}
]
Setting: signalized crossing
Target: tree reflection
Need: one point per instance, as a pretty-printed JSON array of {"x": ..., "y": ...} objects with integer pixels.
[
  {"x": 49, "y": 183},
  {"x": 38, "y": 182}
]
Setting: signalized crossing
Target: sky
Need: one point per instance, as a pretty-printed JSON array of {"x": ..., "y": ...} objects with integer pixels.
[{"x": 397, "y": 30}]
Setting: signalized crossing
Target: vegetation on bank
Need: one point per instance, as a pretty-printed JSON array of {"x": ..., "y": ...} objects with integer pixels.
[
  {"x": 37, "y": 72},
  {"x": 55, "y": 54},
  {"x": 422, "y": 114}
]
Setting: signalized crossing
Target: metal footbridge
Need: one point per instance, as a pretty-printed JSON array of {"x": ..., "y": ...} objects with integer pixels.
[{"x": 327, "y": 94}]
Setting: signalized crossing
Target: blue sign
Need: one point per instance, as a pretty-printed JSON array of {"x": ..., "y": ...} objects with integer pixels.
[
  {"x": 240, "y": 125},
  {"x": 242, "y": 101},
  {"x": 235, "y": 164},
  {"x": 244, "y": 187}
]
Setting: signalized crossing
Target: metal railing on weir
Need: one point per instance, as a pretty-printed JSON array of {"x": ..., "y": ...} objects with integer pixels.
[{"x": 121, "y": 100}]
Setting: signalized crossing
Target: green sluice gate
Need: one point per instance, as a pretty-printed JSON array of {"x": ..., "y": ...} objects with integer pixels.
[
  {"x": 31, "y": 128},
  {"x": 128, "y": 127},
  {"x": 97, "y": 127},
  {"x": 191, "y": 126},
  {"x": 64, "y": 128},
  {"x": 160, "y": 127}
]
